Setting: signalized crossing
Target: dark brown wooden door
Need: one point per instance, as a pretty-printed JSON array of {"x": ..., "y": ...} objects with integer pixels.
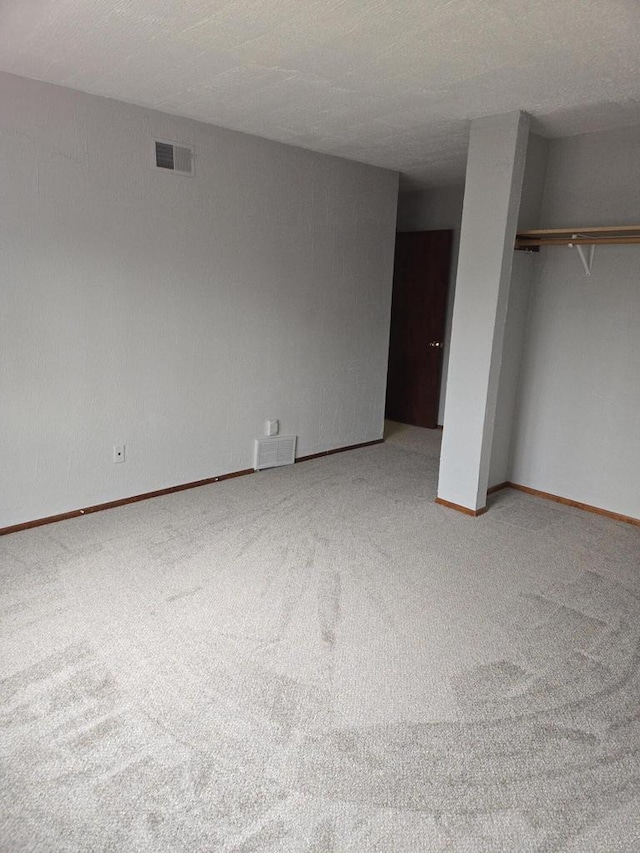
[{"x": 418, "y": 315}]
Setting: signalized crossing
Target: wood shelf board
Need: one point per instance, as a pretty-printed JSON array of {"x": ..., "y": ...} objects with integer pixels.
[
  {"x": 604, "y": 235},
  {"x": 578, "y": 241},
  {"x": 604, "y": 229}
]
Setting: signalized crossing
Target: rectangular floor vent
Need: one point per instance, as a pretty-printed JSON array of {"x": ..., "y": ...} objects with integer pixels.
[{"x": 273, "y": 452}]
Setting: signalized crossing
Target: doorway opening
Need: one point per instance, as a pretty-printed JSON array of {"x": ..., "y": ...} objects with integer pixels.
[{"x": 418, "y": 319}]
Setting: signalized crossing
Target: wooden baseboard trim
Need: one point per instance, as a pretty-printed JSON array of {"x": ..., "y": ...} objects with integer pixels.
[
  {"x": 76, "y": 513},
  {"x": 616, "y": 516},
  {"x": 463, "y": 509},
  {"x": 339, "y": 450},
  {"x": 492, "y": 489},
  {"x": 63, "y": 516}
]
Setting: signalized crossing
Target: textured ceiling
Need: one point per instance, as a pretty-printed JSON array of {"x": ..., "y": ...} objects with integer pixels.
[{"x": 388, "y": 82}]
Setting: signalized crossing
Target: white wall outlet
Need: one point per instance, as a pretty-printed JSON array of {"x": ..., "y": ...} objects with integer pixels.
[
  {"x": 118, "y": 452},
  {"x": 271, "y": 427}
]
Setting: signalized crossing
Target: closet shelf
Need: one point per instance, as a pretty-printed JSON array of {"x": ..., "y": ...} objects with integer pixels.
[{"x": 605, "y": 236}]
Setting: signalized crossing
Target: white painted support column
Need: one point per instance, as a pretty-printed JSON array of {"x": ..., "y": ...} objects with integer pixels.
[{"x": 495, "y": 168}]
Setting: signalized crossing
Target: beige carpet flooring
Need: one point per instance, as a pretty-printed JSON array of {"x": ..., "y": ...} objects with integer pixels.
[{"x": 320, "y": 659}]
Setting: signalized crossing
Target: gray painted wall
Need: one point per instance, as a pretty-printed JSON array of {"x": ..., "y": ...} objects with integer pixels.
[
  {"x": 433, "y": 210},
  {"x": 493, "y": 190},
  {"x": 174, "y": 314},
  {"x": 522, "y": 272},
  {"x": 578, "y": 419}
]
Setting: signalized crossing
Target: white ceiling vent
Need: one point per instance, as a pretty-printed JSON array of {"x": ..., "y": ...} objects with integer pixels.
[
  {"x": 173, "y": 158},
  {"x": 273, "y": 452}
]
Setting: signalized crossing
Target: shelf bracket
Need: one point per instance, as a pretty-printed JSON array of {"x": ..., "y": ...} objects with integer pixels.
[{"x": 587, "y": 264}]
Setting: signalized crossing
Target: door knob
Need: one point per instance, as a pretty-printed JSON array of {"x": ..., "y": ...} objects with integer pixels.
[{"x": 436, "y": 344}]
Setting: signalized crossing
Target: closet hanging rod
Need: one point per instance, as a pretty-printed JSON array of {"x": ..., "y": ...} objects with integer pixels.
[
  {"x": 591, "y": 229},
  {"x": 603, "y": 235},
  {"x": 526, "y": 242}
]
